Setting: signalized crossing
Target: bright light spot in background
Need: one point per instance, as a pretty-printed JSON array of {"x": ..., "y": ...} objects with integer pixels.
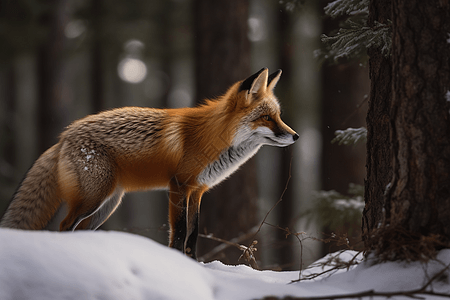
[
  {"x": 132, "y": 70},
  {"x": 256, "y": 30},
  {"x": 74, "y": 29},
  {"x": 310, "y": 144}
]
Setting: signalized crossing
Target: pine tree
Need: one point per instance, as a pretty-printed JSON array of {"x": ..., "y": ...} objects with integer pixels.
[
  {"x": 407, "y": 199},
  {"x": 354, "y": 36},
  {"x": 416, "y": 207}
]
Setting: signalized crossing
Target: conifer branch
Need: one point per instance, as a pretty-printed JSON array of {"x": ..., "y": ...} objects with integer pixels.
[
  {"x": 354, "y": 35},
  {"x": 340, "y": 8},
  {"x": 350, "y": 136}
]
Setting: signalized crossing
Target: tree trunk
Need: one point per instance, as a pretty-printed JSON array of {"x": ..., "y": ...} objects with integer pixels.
[
  {"x": 285, "y": 211},
  {"x": 98, "y": 101},
  {"x": 52, "y": 110},
  {"x": 417, "y": 203},
  {"x": 378, "y": 160},
  {"x": 222, "y": 58}
]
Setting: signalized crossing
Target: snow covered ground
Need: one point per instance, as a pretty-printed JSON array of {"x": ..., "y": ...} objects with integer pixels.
[{"x": 112, "y": 265}]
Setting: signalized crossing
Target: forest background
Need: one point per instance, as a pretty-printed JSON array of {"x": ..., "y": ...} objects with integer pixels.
[{"x": 62, "y": 60}]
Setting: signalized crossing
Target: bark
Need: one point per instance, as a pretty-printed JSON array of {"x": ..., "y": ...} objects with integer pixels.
[
  {"x": 378, "y": 160},
  {"x": 417, "y": 203},
  {"x": 222, "y": 58}
]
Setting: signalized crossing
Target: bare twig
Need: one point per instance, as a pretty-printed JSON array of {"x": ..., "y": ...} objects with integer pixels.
[
  {"x": 297, "y": 235},
  {"x": 415, "y": 293},
  {"x": 225, "y": 245},
  {"x": 249, "y": 255},
  {"x": 279, "y": 200},
  {"x": 334, "y": 262},
  {"x": 247, "y": 252}
]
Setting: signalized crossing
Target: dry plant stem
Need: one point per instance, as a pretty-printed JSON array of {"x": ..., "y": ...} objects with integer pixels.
[
  {"x": 225, "y": 244},
  {"x": 355, "y": 111},
  {"x": 279, "y": 200},
  {"x": 296, "y": 234},
  {"x": 248, "y": 252},
  {"x": 339, "y": 266},
  {"x": 249, "y": 255}
]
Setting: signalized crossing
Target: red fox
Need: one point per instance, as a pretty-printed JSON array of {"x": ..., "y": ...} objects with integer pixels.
[{"x": 186, "y": 150}]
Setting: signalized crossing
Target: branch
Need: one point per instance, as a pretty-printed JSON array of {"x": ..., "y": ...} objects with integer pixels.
[
  {"x": 296, "y": 234},
  {"x": 334, "y": 261},
  {"x": 247, "y": 251},
  {"x": 415, "y": 293},
  {"x": 279, "y": 200},
  {"x": 350, "y": 136}
]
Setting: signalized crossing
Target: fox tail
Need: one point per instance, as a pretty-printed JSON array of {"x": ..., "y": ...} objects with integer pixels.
[{"x": 36, "y": 200}]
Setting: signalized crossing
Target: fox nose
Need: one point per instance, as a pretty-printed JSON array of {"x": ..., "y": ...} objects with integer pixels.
[{"x": 295, "y": 137}]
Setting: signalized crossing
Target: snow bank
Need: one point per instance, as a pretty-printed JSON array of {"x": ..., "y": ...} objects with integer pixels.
[
  {"x": 112, "y": 265},
  {"x": 95, "y": 265}
]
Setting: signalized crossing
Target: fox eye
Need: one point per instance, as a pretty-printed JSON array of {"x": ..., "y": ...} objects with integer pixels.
[{"x": 266, "y": 118}]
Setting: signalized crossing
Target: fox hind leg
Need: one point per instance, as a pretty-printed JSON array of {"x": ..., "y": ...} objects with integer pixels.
[
  {"x": 105, "y": 210},
  {"x": 88, "y": 183}
]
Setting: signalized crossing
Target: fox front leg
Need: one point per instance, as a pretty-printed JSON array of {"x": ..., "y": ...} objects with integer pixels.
[
  {"x": 177, "y": 219},
  {"x": 193, "y": 218},
  {"x": 184, "y": 208}
]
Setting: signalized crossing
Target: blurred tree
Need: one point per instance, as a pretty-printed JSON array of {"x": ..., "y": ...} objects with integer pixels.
[
  {"x": 21, "y": 29},
  {"x": 20, "y": 33},
  {"x": 345, "y": 87},
  {"x": 98, "y": 101},
  {"x": 52, "y": 106},
  {"x": 7, "y": 152},
  {"x": 287, "y": 208},
  {"x": 223, "y": 57}
]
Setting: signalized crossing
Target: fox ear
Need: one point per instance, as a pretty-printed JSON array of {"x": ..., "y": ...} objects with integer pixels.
[
  {"x": 273, "y": 80},
  {"x": 256, "y": 82}
]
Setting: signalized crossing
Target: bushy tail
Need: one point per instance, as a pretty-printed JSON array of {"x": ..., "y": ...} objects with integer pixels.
[{"x": 36, "y": 200}]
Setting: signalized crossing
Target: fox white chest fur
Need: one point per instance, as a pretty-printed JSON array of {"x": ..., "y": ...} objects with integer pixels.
[{"x": 228, "y": 162}]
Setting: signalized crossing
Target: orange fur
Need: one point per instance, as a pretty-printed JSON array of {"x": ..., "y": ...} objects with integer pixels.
[{"x": 186, "y": 150}]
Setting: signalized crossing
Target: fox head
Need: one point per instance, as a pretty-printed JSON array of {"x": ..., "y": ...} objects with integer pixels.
[{"x": 259, "y": 108}]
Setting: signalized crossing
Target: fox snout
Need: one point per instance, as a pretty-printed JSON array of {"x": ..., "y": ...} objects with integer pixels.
[
  {"x": 279, "y": 135},
  {"x": 289, "y": 138},
  {"x": 295, "y": 135},
  {"x": 285, "y": 133}
]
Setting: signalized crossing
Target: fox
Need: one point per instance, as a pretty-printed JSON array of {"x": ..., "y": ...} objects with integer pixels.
[{"x": 186, "y": 151}]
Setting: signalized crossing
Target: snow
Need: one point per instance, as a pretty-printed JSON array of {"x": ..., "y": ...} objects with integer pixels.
[
  {"x": 447, "y": 96},
  {"x": 343, "y": 204},
  {"x": 111, "y": 265}
]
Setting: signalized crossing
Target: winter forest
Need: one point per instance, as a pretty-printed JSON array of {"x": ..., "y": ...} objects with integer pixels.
[{"x": 365, "y": 189}]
